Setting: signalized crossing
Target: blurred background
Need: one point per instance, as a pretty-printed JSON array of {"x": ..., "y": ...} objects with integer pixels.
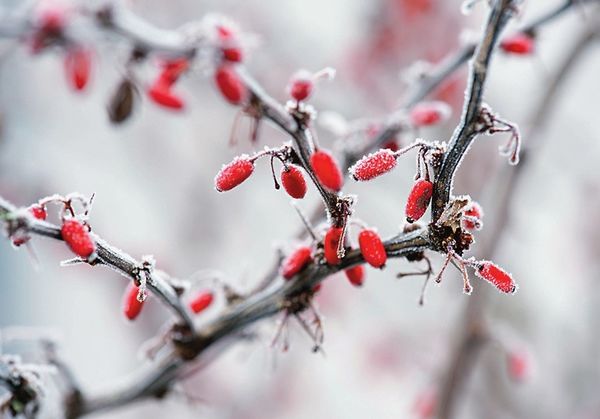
[{"x": 385, "y": 356}]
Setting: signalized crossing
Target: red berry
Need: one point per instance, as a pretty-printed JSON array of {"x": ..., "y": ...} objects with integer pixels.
[
  {"x": 429, "y": 113},
  {"x": 78, "y": 66},
  {"x": 161, "y": 93},
  {"x": 201, "y": 301},
  {"x": 230, "y": 84},
  {"x": 234, "y": 173},
  {"x": 78, "y": 238},
  {"x": 497, "y": 276},
  {"x": 474, "y": 211},
  {"x": 520, "y": 44},
  {"x": 38, "y": 211},
  {"x": 330, "y": 243},
  {"x": 327, "y": 170},
  {"x": 230, "y": 47},
  {"x": 296, "y": 262},
  {"x": 373, "y": 165},
  {"x": 233, "y": 54},
  {"x": 293, "y": 181},
  {"x": 391, "y": 145},
  {"x": 518, "y": 365},
  {"x": 356, "y": 275},
  {"x": 131, "y": 305},
  {"x": 418, "y": 200},
  {"x": 425, "y": 405},
  {"x": 301, "y": 85},
  {"x": 372, "y": 248},
  {"x": 173, "y": 69}
]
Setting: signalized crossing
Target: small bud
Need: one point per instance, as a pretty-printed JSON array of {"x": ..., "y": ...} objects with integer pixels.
[
  {"x": 234, "y": 173},
  {"x": 497, "y": 276},
  {"x": 293, "y": 181},
  {"x": 356, "y": 275},
  {"x": 230, "y": 84},
  {"x": 132, "y": 306},
  {"x": 78, "y": 238},
  {"x": 373, "y": 165},
  {"x": 429, "y": 113},
  {"x": 330, "y": 243},
  {"x": 518, "y": 44},
  {"x": 418, "y": 200},
  {"x": 327, "y": 170},
  {"x": 201, "y": 301},
  {"x": 372, "y": 248},
  {"x": 78, "y": 66},
  {"x": 296, "y": 262},
  {"x": 475, "y": 213}
]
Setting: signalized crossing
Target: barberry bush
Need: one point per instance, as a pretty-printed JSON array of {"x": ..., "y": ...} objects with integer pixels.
[{"x": 280, "y": 189}]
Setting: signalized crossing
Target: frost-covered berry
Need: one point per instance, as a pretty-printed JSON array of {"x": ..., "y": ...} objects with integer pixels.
[
  {"x": 230, "y": 84},
  {"x": 518, "y": 365},
  {"x": 296, "y": 262},
  {"x": 356, "y": 275},
  {"x": 496, "y": 276},
  {"x": 230, "y": 45},
  {"x": 37, "y": 211},
  {"x": 331, "y": 243},
  {"x": 132, "y": 306},
  {"x": 474, "y": 214},
  {"x": 301, "y": 85},
  {"x": 234, "y": 173},
  {"x": 78, "y": 238},
  {"x": 519, "y": 44},
  {"x": 78, "y": 67},
  {"x": 173, "y": 69},
  {"x": 293, "y": 181},
  {"x": 201, "y": 301},
  {"x": 160, "y": 93},
  {"x": 327, "y": 170},
  {"x": 373, "y": 165},
  {"x": 372, "y": 249},
  {"x": 418, "y": 200},
  {"x": 429, "y": 113}
]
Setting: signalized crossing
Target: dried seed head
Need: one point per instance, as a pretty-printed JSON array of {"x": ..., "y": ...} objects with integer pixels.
[
  {"x": 293, "y": 181},
  {"x": 230, "y": 84},
  {"x": 201, "y": 301},
  {"x": 372, "y": 248},
  {"x": 429, "y": 113},
  {"x": 234, "y": 173},
  {"x": 327, "y": 170},
  {"x": 296, "y": 262},
  {"x": 78, "y": 67},
  {"x": 497, "y": 276},
  {"x": 418, "y": 200},
  {"x": 132, "y": 306},
  {"x": 331, "y": 243},
  {"x": 356, "y": 275},
  {"x": 78, "y": 238},
  {"x": 474, "y": 214},
  {"x": 373, "y": 165},
  {"x": 519, "y": 44}
]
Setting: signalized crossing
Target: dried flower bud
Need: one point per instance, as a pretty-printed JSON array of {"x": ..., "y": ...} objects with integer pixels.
[
  {"x": 474, "y": 214},
  {"x": 372, "y": 248},
  {"x": 373, "y": 165},
  {"x": 234, "y": 173},
  {"x": 78, "y": 238},
  {"x": 327, "y": 170},
  {"x": 230, "y": 84},
  {"x": 429, "y": 113},
  {"x": 121, "y": 104},
  {"x": 132, "y": 306},
  {"x": 356, "y": 275},
  {"x": 78, "y": 67},
  {"x": 293, "y": 181},
  {"x": 296, "y": 262},
  {"x": 331, "y": 243},
  {"x": 519, "y": 44},
  {"x": 201, "y": 301},
  {"x": 418, "y": 200},
  {"x": 497, "y": 276}
]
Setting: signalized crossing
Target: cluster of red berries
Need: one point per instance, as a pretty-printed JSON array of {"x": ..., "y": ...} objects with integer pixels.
[
  {"x": 370, "y": 244},
  {"x": 133, "y": 301},
  {"x": 228, "y": 81}
]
